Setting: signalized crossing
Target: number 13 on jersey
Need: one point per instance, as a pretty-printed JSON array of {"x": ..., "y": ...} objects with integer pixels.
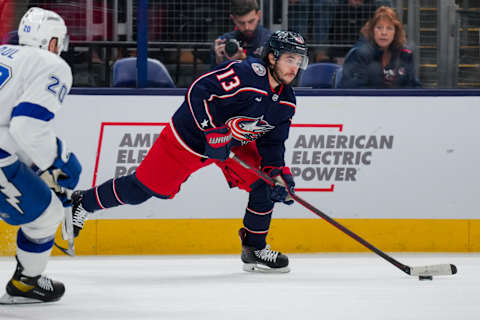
[{"x": 228, "y": 85}]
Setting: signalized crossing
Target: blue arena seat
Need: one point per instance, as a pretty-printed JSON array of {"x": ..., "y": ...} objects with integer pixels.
[
  {"x": 125, "y": 74},
  {"x": 318, "y": 75},
  {"x": 338, "y": 77}
]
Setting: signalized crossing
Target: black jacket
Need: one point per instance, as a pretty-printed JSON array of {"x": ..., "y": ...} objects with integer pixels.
[
  {"x": 253, "y": 47},
  {"x": 363, "y": 68}
]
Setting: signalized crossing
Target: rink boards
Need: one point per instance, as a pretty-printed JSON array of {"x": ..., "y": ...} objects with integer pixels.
[{"x": 400, "y": 171}]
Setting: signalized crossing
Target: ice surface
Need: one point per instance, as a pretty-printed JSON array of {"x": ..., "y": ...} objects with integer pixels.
[{"x": 320, "y": 286}]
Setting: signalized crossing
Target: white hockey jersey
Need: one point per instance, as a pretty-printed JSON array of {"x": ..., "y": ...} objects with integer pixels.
[{"x": 33, "y": 85}]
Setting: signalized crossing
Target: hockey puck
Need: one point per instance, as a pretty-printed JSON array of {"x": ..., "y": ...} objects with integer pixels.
[{"x": 425, "y": 277}]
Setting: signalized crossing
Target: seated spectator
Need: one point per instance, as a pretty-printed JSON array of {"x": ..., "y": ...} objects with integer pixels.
[
  {"x": 380, "y": 59},
  {"x": 250, "y": 37}
]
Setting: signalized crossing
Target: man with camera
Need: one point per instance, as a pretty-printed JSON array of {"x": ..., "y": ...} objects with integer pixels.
[{"x": 248, "y": 38}]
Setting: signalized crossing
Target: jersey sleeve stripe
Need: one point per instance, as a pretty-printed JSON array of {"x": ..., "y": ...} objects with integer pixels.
[
  {"x": 288, "y": 104},
  {"x": 226, "y": 96},
  {"x": 32, "y": 110},
  {"x": 207, "y": 111},
  {"x": 182, "y": 143}
]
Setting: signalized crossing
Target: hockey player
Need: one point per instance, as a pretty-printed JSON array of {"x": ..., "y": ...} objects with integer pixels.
[
  {"x": 34, "y": 81},
  {"x": 245, "y": 107}
]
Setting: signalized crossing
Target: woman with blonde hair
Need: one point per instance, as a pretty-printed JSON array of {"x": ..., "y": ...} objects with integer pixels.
[{"x": 380, "y": 59}]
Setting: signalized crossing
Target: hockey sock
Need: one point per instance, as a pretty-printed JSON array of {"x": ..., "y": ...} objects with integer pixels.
[
  {"x": 257, "y": 224},
  {"x": 113, "y": 193},
  {"x": 33, "y": 254},
  {"x": 257, "y": 217}
]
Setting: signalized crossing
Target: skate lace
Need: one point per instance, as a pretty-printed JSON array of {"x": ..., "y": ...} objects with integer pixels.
[
  {"x": 267, "y": 254},
  {"x": 45, "y": 283},
  {"x": 79, "y": 215}
]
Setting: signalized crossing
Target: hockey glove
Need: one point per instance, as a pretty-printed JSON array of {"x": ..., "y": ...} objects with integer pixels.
[
  {"x": 218, "y": 142},
  {"x": 284, "y": 184},
  {"x": 68, "y": 167},
  {"x": 50, "y": 177}
]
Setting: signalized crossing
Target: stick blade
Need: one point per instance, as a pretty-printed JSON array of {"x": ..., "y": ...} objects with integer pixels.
[
  {"x": 434, "y": 270},
  {"x": 67, "y": 233},
  {"x": 68, "y": 252}
]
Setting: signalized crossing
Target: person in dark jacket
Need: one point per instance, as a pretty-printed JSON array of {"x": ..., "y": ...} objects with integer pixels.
[
  {"x": 380, "y": 59},
  {"x": 249, "y": 36}
]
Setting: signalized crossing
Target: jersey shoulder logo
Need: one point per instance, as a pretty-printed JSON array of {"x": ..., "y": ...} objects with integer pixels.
[
  {"x": 259, "y": 69},
  {"x": 247, "y": 129}
]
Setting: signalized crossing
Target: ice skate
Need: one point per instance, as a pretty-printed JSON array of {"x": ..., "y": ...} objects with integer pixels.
[
  {"x": 262, "y": 260},
  {"x": 22, "y": 289},
  {"x": 79, "y": 215}
]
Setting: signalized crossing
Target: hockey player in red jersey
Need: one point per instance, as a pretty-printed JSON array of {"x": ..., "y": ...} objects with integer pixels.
[{"x": 240, "y": 106}]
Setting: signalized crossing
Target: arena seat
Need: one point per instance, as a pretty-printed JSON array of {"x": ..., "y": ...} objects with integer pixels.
[
  {"x": 125, "y": 74},
  {"x": 318, "y": 75},
  {"x": 337, "y": 77}
]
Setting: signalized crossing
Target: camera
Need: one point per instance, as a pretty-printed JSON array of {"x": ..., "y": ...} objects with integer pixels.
[{"x": 231, "y": 47}]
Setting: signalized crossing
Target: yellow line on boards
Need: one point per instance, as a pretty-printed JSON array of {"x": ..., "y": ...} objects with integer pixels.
[{"x": 219, "y": 236}]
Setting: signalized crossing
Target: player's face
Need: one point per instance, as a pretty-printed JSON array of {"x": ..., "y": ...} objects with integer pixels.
[
  {"x": 287, "y": 67},
  {"x": 383, "y": 33},
  {"x": 247, "y": 24}
]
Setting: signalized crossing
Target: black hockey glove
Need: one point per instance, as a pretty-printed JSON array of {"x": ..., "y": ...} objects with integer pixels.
[
  {"x": 218, "y": 142},
  {"x": 284, "y": 184}
]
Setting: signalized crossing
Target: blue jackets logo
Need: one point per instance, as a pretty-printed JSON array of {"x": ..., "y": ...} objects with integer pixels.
[{"x": 246, "y": 129}]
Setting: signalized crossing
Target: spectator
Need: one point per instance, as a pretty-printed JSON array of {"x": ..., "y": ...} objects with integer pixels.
[
  {"x": 347, "y": 19},
  {"x": 312, "y": 18},
  {"x": 250, "y": 37},
  {"x": 380, "y": 59}
]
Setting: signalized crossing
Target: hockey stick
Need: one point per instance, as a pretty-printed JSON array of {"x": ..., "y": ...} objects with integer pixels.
[
  {"x": 67, "y": 231},
  {"x": 420, "y": 271},
  {"x": 51, "y": 178}
]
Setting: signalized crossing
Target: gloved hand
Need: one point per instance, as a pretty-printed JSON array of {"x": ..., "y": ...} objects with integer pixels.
[
  {"x": 218, "y": 142},
  {"x": 68, "y": 165},
  {"x": 62, "y": 174},
  {"x": 284, "y": 184},
  {"x": 50, "y": 177}
]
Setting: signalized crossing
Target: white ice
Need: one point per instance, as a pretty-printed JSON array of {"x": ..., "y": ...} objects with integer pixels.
[{"x": 320, "y": 286}]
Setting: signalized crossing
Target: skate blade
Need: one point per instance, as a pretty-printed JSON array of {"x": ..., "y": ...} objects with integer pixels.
[
  {"x": 8, "y": 299},
  {"x": 251, "y": 267}
]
